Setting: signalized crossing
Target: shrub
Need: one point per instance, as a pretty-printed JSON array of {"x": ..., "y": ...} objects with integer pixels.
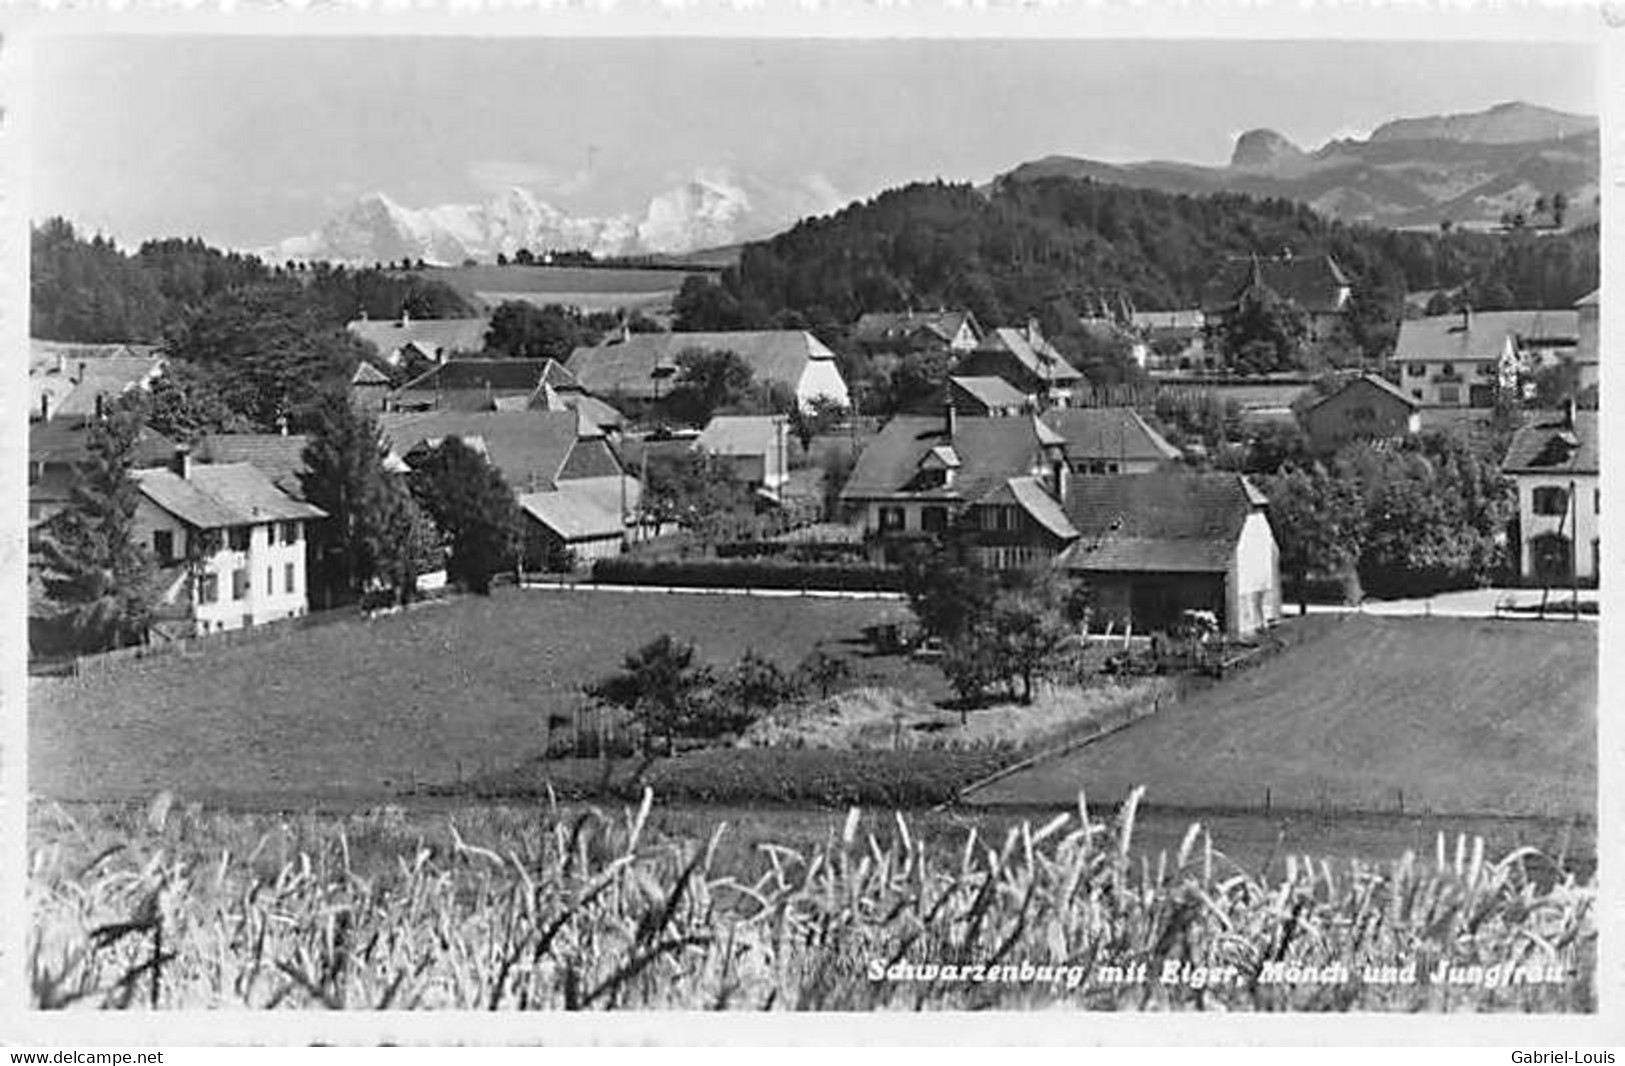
[{"x": 747, "y": 573}]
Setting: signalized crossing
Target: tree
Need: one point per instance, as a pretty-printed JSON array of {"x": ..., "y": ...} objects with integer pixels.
[
  {"x": 521, "y": 330},
  {"x": 472, "y": 504},
  {"x": 661, "y": 685},
  {"x": 188, "y": 401},
  {"x": 94, "y": 566},
  {"x": 1028, "y": 627},
  {"x": 702, "y": 305},
  {"x": 1264, "y": 333},
  {"x": 822, "y": 671},
  {"x": 696, "y": 490},
  {"x": 1318, "y": 521},
  {"x": 947, "y": 591},
  {"x": 708, "y": 380},
  {"x": 819, "y": 416}
]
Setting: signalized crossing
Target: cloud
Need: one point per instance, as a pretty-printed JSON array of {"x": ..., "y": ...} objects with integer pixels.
[{"x": 494, "y": 175}]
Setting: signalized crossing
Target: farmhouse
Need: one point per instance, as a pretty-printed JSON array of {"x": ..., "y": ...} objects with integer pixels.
[
  {"x": 1173, "y": 340},
  {"x": 405, "y": 340},
  {"x": 1110, "y": 440},
  {"x": 902, "y": 332},
  {"x": 1366, "y": 407},
  {"x": 999, "y": 479},
  {"x": 988, "y": 397},
  {"x": 755, "y": 447},
  {"x": 369, "y": 388},
  {"x": 578, "y": 521},
  {"x": 76, "y": 381},
  {"x": 643, "y": 366},
  {"x": 1554, "y": 463},
  {"x": 230, "y": 544},
  {"x": 1463, "y": 360},
  {"x": 478, "y": 384},
  {"x": 1315, "y": 284},
  {"x": 1154, "y": 546},
  {"x": 1025, "y": 359},
  {"x": 59, "y": 448},
  {"x": 533, "y": 450}
]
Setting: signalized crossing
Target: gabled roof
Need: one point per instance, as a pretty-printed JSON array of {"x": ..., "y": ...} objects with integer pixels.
[
  {"x": 367, "y": 374},
  {"x": 1164, "y": 522},
  {"x": 1482, "y": 335},
  {"x": 1374, "y": 381},
  {"x": 572, "y": 515},
  {"x": 217, "y": 496},
  {"x": 1108, "y": 433},
  {"x": 1590, "y": 299},
  {"x": 279, "y": 457},
  {"x": 1035, "y": 353},
  {"x": 631, "y": 365},
  {"x": 878, "y": 327},
  {"x": 1041, "y": 507},
  {"x": 74, "y": 375},
  {"x": 67, "y": 442},
  {"x": 994, "y": 393},
  {"x": 529, "y": 447},
  {"x": 431, "y": 335},
  {"x": 1549, "y": 445},
  {"x": 1314, "y": 282},
  {"x": 743, "y": 434},
  {"x": 990, "y": 451},
  {"x": 481, "y": 375}
]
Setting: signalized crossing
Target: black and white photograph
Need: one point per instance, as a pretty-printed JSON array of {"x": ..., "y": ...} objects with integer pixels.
[{"x": 651, "y": 523}]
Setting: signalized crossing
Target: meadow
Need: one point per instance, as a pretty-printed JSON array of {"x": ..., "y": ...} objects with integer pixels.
[
  {"x": 1418, "y": 715},
  {"x": 547, "y": 908}
]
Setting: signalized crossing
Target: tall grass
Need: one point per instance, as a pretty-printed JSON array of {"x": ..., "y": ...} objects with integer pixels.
[{"x": 555, "y": 909}]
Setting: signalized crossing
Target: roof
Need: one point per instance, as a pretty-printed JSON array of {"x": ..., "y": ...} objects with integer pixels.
[
  {"x": 629, "y": 366},
  {"x": 216, "y": 496},
  {"x": 1165, "y": 522},
  {"x": 1549, "y": 445},
  {"x": 1033, "y": 352},
  {"x": 990, "y": 452},
  {"x": 367, "y": 374},
  {"x": 880, "y": 326},
  {"x": 991, "y": 392},
  {"x": 1372, "y": 380},
  {"x": 432, "y": 335},
  {"x": 1590, "y": 299},
  {"x": 279, "y": 457},
  {"x": 1110, "y": 433},
  {"x": 1314, "y": 282},
  {"x": 1188, "y": 319},
  {"x": 1481, "y": 335},
  {"x": 68, "y": 442},
  {"x": 573, "y": 515},
  {"x": 481, "y": 375},
  {"x": 528, "y": 447},
  {"x": 73, "y": 375},
  {"x": 743, "y": 434},
  {"x": 1033, "y": 498},
  {"x": 44, "y": 354}
]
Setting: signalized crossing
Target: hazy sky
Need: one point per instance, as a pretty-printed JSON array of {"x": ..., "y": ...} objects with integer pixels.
[{"x": 244, "y": 141}]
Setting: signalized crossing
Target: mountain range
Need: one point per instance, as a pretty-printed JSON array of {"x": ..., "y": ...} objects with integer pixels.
[
  {"x": 1468, "y": 169},
  {"x": 713, "y": 208}
]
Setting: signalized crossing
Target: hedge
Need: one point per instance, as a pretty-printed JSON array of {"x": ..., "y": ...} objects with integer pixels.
[{"x": 748, "y": 574}]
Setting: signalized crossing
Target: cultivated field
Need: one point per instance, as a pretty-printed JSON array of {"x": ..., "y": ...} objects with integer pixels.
[
  {"x": 361, "y": 708},
  {"x": 1450, "y": 716},
  {"x": 503, "y": 909}
]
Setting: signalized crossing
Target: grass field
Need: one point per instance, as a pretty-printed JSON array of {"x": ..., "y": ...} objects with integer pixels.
[
  {"x": 1461, "y": 716},
  {"x": 365, "y": 708}
]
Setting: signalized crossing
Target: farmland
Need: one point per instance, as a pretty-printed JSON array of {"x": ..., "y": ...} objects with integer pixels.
[
  {"x": 1449, "y": 716},
  {"x": 590, "y": 288},
  {"x": 364, "y": 708}
]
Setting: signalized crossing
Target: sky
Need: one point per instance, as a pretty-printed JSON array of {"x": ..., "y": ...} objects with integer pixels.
[{"x": 247, "y": 140}]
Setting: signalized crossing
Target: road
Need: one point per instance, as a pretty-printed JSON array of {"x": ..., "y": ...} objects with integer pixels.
[{"x": 1472, "y": 603}]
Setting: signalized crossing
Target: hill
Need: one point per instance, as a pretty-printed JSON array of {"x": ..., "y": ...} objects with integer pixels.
[
  {"x": 1469, "y": 169},
  {"x": 1463, "y": 716}
]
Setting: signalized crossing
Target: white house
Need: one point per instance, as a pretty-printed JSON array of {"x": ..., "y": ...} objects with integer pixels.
[
  {"x": 644, "y": 366},
  {"x": 1554, "y": 463},
  {"x": 756, "y": 447},
  {"x": 231, "y": 545},
  {"x": 1462, "y": 360}
]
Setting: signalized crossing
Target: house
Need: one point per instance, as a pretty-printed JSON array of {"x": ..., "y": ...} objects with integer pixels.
[
  {"x": 1154, "y": 546},
  {"x": 988, "y": 397},
  {"x": 902, "y": 332},
  {"x": 1316, "y": 284},
  {"x": 1366, "y": 407},
  {"x": 69, "y": 380},
  {"x": 1587, "y": 348},
  {"x": 643, "y": 366},
  {"x": 1000, "y": 480},
  {"x": 402, "y": 341},
  {"x": 533, "y": 450},
  {"x": 477, "y": 385},
  {"x": 1554, "y": 462},
  {"x": 586, "y": 518},
  {"x": 755, "y": 447},
  {"x": 558, "y": 391},
  {"x": 370, "y": 387},
  {"x": 1024, "y": 359},
  {"x": 59, "y": 448},
  {"x": 1174, "y": 341},
  {"x": 1463, "y": 360},
  {"x": 230, "y": 544},
  {"x": 1110, "y": 440},
  {"x": 279, "y": 456}
]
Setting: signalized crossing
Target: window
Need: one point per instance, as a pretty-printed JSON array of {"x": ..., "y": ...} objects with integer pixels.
[
  {"x": 1447, "y": 370},
  {"x": 163, "y": 544},
  {"x": 1416, "y": 370},
  {"x": 1596, "y": 501},
  {"x": 934, "y": 519},
  {"x": 891, "y": 519},
  {"x": 239, "y": 583},
  {"x": 290, "y": 532},
  {"x": 1009, "y": 519},
  {"x": 1449, "y": 394},
  {"x": 270, "y": 587},
  {"x": 287, "y": 578},
  {"x": 208, "y": 588},
  {"x": 1416, "y": 394},
  {"x": 1551, "y": 500},
  {"x": 239, "y": 536}
]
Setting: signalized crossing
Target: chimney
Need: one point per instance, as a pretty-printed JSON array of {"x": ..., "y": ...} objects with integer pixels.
[
  {"x": 61, "y": 363},
  {"x": 45, "y": 407},
  {"x": 1568, "y": 413},
  {"x": 1466, "y": 317},
  {"x": 953, "y": 419},
  {"x": 180, "y": 464},
  {"x": 81, "y": 376}
]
